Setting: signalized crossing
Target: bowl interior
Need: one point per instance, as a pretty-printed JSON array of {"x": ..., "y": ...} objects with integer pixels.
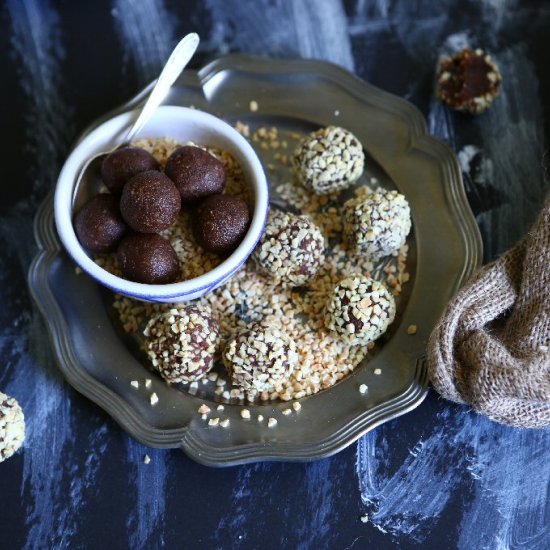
[{"x": 183, "y": 125}]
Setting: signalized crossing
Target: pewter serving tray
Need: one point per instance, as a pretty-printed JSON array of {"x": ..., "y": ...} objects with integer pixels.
[{"x": 296, "y": 96}]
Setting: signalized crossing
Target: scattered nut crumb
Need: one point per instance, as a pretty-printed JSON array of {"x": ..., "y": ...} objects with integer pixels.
[
  {"x": 296, "y": 406},
  {"x": 214, "y": 421},
  {"x": 212, "y": 376},
  {"x": 78, "y": 270},
  {"x": 260, "y": 418},
  {"x": 365, "y": 518},
  {"x": 146, "y": 459},
  {"x": 363, "y": 388},
  {"x": 224, "y": 423},
  {"x": 245, "y": 413},
  {"x": 220, "y": 408},
  {"x": 134, "y": 384},
  {"x": 377, "y": 371},
  {"x": 253, "y": 106},
  {"x": 148, "y": 383},
  {"x": 286, "y": 412},
  {"x": 411, "y": 329},
  {"x": 204, "y": 409},
  {"x": 204, "y": 416},
  {"x": 154, "y": 399},
  {"x": 272, "y": 422}
]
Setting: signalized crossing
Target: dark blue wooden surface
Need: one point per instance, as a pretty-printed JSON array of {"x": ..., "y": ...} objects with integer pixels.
[{"x": 439, "y": 477}]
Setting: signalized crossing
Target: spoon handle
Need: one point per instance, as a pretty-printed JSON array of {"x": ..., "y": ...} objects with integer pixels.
[{"x": 172, "y": 69}]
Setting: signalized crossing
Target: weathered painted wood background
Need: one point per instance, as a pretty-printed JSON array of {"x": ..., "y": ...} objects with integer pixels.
[{"x": 440, "y": 477}]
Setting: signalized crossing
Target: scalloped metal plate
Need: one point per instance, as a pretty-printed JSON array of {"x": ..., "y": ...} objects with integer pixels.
[{"x": 446, "y": 247}]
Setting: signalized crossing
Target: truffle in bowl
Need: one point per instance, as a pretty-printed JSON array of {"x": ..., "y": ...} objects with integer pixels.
[{"x": 169, "y": 130}]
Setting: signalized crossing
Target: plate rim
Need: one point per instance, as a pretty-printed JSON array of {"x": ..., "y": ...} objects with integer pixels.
[{"x": 184, "y": 438}]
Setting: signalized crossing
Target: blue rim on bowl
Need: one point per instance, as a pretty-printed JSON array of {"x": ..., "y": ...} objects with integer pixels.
[{"x": 184, "y": 125}]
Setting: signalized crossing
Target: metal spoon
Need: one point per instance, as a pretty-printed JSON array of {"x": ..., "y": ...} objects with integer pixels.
[{"x": 172, "y": 69}]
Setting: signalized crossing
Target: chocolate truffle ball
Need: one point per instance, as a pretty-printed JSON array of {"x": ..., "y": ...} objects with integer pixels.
[
  {"x": 181, "y": 343},
  {"x": 195, "y": 172},
  {"x": 220, "y": 223},
  {"x": 150, "y": 202},
  {"x": 12, "y": 426},
  {"x": 359, "y": 309},
  {"x": 378, "y": 223},
  {"x": 329, "y": 160},
  {"x": 260, "y": 358},
  {"x": 147, "y": 258},
  {"x": 121, "y": 165},
  {"x": 99, "y": 225},
  {"x": 468, "y": 81},
  {"x": 291, "y": 249}
]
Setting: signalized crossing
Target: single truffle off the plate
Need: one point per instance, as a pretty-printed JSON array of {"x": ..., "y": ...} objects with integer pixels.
[{"x": 12, "y": 426}]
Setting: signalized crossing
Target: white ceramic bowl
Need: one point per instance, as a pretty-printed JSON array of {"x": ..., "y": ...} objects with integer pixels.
[{"x": 183, "y": 125}]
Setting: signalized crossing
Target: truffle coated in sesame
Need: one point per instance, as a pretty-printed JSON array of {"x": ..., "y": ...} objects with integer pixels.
[
  {"x": 260, "y": 358},
  {"x": 150, "y": 202},
  {"x": 329, "y": 160},
  {"x": 147, "y": 258},
  {"x": 123, "y": 164},
  {"x": 220, "y": 223},
  {"x": 181, "y": 343},
  {"x": 12, "y": 426},
  {"x": 378, "y": 223},
  {"x": 360, "y": 309},
  {"x": 99, "y": 225},
  {"x": 468, "y": 81},
  {"x": 195, "y": 172},
  {"x": 291, "y": 249}
]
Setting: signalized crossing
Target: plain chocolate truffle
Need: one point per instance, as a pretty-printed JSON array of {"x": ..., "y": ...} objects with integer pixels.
[
  {"x": 99, "y": 225},
  {"x": 150, "y": 202},
  {"x": 221, "y": 222},
  {"x": 195, "y": 172},
  {"x": 123, "y": 164},
  {"x": 147, "y": 258}
]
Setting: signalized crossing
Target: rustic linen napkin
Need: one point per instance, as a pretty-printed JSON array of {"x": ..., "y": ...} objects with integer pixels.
[{"x": 491, "y": 348}]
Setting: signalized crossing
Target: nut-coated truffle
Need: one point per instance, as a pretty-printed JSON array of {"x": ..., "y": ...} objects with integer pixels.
[
  {"x": 260, "y": 358},
  {"x": 99, "y": 225},
  {"x": 468, "y": 81},
  {"x": 329, "y": 160},
  {"x": 150, "y": 202},
  {"x": 359, "y": 309},
  {"x": 195, "y": 172},
  {"x": 220, "y": 223},
  {"x": 291, "y": 249},
  {"x": 12, "y": 426},
  {"x": 123, "y": 164},
  {"x": 181, "y": 343},
  {"x": 378, "y": 223},
  {"x": 147, "y": 258}
]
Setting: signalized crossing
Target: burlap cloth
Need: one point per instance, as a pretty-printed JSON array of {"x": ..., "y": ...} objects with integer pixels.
[{"x": 490, "y": 349}]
